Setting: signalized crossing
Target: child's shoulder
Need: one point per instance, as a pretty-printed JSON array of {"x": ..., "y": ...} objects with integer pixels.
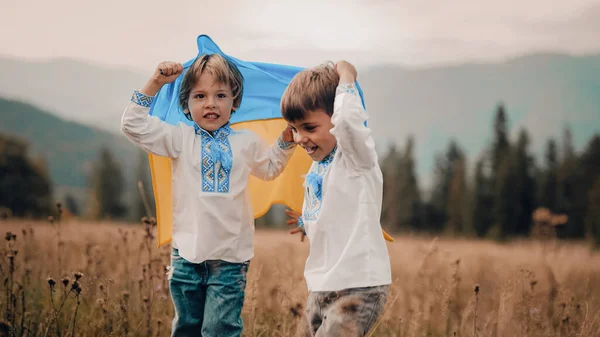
[{"x": 245, "y": 133}]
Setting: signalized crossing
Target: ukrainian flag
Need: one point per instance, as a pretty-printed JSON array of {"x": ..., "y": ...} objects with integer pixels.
[{"x": 260, "y": 112}]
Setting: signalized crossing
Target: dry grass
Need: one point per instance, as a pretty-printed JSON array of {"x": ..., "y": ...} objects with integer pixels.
[{"x": 523, "y": 288}]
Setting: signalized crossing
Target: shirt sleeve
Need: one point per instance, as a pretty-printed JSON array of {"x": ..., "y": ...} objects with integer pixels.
[
  {"x": 267, "y": 162},
  {"x": 352, "y": 135},
  {"x": 301, "y": 224},
  {"x": 149, "y": 132}
]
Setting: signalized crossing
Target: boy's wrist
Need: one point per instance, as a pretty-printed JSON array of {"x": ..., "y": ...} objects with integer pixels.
[
  {"x": 347, "y": 78},
  {"x": 301, "y": 224},
  {"x": 284, "y": 144},
  {"x": 142, "y": 99},
  {"x": 151, "y": 88},
  {"x": 348, "y": 88}
]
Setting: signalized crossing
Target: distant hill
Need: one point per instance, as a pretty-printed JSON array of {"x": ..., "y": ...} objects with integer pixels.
[
  {"x": 76, "y": 91},
  {"x": 542, "y": 92},
  {"x": 68, "y": 148}
]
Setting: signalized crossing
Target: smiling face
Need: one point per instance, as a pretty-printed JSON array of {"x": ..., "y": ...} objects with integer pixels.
[
  {"x": 211, "y": 89},
  {"x": 307, "y": 105},
  {"x": 210, "y": 102},
  {"x": 313, "y": 133}
]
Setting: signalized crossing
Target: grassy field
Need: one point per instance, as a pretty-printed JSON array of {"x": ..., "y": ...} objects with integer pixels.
[{"x": 441, "y": 287}]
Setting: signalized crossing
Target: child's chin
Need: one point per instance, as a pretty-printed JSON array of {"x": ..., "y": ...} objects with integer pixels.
[
  {"x": 316, "y": 156},
  {"x": 211, "y": 125}
]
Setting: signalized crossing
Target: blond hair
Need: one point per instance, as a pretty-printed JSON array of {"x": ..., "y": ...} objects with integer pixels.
[
  {"x": 310, "y": 90},
  {"x": 223, "y": 71}
]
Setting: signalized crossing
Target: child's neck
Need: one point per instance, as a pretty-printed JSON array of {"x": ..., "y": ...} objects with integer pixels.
[
  {"x": 329, "y": 156},
  {"x": 211, "y": 133}
]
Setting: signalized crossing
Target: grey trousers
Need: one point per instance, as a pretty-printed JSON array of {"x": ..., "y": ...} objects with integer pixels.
[{"x": 348, "y": 313}]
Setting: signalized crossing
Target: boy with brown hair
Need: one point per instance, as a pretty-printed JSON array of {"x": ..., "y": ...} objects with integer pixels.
[{"x": 348, "y": 269}]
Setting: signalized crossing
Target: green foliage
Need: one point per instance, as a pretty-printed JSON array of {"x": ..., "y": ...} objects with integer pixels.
[{"x": 25, "y": 188}]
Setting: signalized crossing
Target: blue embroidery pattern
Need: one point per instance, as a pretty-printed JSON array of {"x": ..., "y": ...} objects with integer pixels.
[
  {"x": 284, "y": 145},
  {"x": 349, "y": 88},
  {"x": 301, "y": 224},
  {"x": 215, "y": 149},
  {"x": 142, "y": 99},
  {"x": 313, "y": 193}
]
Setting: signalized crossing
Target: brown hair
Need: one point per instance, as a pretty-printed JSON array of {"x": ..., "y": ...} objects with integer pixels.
[
  {"x": 310, "y": 90},
  {"x": 222, "y": 69}
]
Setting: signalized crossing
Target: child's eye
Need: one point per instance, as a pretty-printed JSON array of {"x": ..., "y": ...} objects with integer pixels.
[
  {"x": 309, "y": 128},
  {"x": 221, "y": 95},
  {"x": 199, "y": 96}
]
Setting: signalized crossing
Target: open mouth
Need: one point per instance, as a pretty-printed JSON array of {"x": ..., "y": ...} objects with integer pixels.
[
  {"x": 211, "y": 115},
  {"x": 310, "y": 149}
]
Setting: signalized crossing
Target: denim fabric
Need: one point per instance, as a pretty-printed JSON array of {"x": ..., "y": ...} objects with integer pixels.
[
  {"x": 345, "y": 313},
  {"x": 208, "y": 297}
]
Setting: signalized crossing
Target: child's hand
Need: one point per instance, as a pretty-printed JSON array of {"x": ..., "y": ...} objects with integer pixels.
[
  {"x": 287, "y": 135},
  {"x": 166, "y": 72},
  {"x": 346, "y": 71},
  {"x": 293, "y": 221}
]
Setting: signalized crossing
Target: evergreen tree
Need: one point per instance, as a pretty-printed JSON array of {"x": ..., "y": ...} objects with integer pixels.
[
  {"x": 71, "y": 204},
  {"x": 408, "y": 196},
  {"x": 548, "y": 192},
  {"x": 446, "y": 166},
  {"x": 482, "y": 200},
  {"x": 25, "y": 186},
  {"x": 108, "y": 187}
]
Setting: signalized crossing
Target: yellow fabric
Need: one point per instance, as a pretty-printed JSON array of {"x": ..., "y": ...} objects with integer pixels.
[{"x": 286, "y": 189}]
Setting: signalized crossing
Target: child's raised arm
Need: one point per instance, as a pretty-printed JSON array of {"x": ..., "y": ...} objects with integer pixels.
[
  {"x": 348, "y": 119},
  {"x": 149, "y": 132},
  {"x": 267, "y": 162}
]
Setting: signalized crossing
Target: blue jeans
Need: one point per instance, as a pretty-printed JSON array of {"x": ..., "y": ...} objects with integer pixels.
[{"x": 208, "y": 297}]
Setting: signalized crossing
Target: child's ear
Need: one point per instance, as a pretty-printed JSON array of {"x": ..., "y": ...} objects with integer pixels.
[{"x": 187, "y": 114}]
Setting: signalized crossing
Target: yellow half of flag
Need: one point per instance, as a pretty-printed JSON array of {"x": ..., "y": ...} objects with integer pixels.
[{"x": 286, "y": 189}]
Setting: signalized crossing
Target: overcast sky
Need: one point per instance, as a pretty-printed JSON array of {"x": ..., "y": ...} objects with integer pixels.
[{"x": 406, "y": 32}]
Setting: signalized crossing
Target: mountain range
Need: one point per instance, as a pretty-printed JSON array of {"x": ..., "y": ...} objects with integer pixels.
[{"x": 78, "y": 105}]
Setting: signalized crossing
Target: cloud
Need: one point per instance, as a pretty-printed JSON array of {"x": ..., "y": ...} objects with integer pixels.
[
  {"x": 579, "y": 30},
  {"x": 143, "y": 33}
]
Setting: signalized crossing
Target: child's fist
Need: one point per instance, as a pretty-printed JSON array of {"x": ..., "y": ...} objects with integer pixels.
[
  {"x": 346, "y": 71},
  {"x": 167, "y": 72}
]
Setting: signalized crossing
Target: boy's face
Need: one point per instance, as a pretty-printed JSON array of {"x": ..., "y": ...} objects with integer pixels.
[
  {"x": 210, "y": 103},
  {"x": 312, "y": 133}
]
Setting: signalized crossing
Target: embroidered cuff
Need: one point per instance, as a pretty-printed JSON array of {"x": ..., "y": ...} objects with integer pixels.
[
  {"x": 285, "y": 145},
  {"x": 141, "y": 99},
  {"x": 349, "y": 88},
  {"x": 301, "y": 224}
]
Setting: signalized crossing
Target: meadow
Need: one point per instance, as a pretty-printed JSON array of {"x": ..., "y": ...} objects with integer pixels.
[{"x": 95, "y": 279}]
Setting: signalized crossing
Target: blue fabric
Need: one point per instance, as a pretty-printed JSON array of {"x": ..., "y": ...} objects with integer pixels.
[
  {"x": 264, "y": 84},
  {"x": 215, "y": 149},
  {"x": 314, "y": 179},
  {"x": 142, "y": 99},
  {"x": 208, "y": 297}
]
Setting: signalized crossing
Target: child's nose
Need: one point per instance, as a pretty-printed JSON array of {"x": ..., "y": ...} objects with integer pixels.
[
  {"x": 210, "y": 101},
  {"x": 299, "y": 139}
]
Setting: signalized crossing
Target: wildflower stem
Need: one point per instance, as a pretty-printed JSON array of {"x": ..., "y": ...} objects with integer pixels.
[
  {"x": 75, "y": 316},
  {"x": 144, "y": 198},
  {"x": 55, "y": 315},
  {"x": 475, "y": 316}
]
